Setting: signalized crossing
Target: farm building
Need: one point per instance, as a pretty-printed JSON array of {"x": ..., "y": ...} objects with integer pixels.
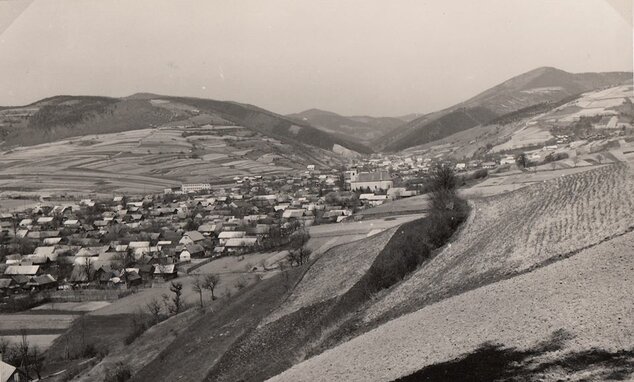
[
  {"x": 191, "y": 237},
  {"x": 165, "y": 271},
  {"x": 195, "y": 187}
]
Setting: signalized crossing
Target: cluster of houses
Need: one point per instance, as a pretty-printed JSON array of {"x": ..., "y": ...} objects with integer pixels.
[{"x": 130, "y": 241}]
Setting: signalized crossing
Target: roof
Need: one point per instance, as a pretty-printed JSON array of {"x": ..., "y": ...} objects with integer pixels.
[
  {"x": 163, "y": 269},
  {"x": 5, "y": 283},
  {"x": 139, "y": 244},
  {"x": 22, "y": 269},
  {"x": 293, "y": 213},
  {"x": 45, "y": 251},
  {"x": 92, "y": 251},
  {"x": 373, "y": 176},
  {"x": 231, "y": 234},
  {"x": 194, "y": 235},
  {"x": 42, "y": 280},
  {"x": 6, "y": 371}
]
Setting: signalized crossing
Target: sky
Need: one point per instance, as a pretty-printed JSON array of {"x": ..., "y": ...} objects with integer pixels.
[{"x": 353, "y": 57}]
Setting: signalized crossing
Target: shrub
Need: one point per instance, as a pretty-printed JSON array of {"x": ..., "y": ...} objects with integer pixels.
[{"x": 120, "y": 372}]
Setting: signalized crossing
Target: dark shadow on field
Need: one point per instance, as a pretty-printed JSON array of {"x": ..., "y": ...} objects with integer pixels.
[{"x": 495, "y": 362}]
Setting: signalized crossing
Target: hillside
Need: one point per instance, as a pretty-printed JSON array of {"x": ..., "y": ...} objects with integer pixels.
[
  {"x": 489, "y": 296},
  {"x": 61, "y": 117},
  {"x": 542, "y": 85},
  {"x": 354, "y": 128},
  {"x": 85, "y": 144}
]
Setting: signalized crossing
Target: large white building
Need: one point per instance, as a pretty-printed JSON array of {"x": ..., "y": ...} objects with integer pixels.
[
  {"x": 195, "y": 187},
  {"x": 379, "y": 180}
]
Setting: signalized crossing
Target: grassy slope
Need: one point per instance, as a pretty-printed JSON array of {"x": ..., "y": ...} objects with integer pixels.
[
  {"x": 145, "y": 348},
  {"x": 577, "y": 301},
  {"x": 326, "y": 304},
  {"x": 194, "y": 351}
]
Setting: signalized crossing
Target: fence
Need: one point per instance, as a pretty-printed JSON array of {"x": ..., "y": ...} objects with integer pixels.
[{"x": 87, "y": 295}]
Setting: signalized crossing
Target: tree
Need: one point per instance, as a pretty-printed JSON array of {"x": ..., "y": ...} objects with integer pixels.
[
  {"x": 521, "y": 160},
  {"x": 442, "y": 187},
  {"x": 177, "y": 289},
  {"x": 210, "y": 283},
  {"x": 87, "y": 267},
  {"x": 197, "y": 286},
  {"x": 154, "y": 308}
]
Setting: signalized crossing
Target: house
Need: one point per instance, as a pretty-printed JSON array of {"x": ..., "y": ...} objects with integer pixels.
[
  {"x": 195, "y": 250},
  {"x": 46, "y": 252},
  {"x": 165, "y": 271},
  {"x": 42, "y": 282},
  {"x": 9, "y": 373},
  {"x": 226, "y": 235},
  {"x": 132, "y": 277},
  {"x": 241, "y": 244},
  {"x": 185, "y": 256},
  {"x": 191, "y": 237},
  {"x": 379, "y": 180},
  {"x": 80, "y": 276}
]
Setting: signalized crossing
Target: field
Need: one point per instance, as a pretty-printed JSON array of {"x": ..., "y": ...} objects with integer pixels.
[
  {"x": 334, "y": 273},
  {"x": 139, "y": 161},
  {"x": 45, "y": 323},
  {"x": 519, "y": 231},
  {"x": 566, "y": 321},
  {"x": 413, "y": 204}
]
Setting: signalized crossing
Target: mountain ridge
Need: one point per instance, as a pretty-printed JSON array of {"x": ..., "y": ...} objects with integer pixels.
[{"x": 543, "y": 84}]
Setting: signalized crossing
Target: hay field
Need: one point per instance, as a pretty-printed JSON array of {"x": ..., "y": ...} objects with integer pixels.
[
  {"x": 578, "y": 301},
  {"x": 519, "y": 231}
]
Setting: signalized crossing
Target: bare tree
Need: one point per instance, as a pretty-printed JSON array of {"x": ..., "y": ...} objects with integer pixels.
[
  {"x": 210, "y": 283},
  {"x": 87, "y": 267},
  {"x": 177, "y": 289},
  {"x": 154, "y": 308},
  {"x": 197, "y": 286}
]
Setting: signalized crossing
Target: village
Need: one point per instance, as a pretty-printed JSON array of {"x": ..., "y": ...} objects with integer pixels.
[{"x": 134, "y": 241}]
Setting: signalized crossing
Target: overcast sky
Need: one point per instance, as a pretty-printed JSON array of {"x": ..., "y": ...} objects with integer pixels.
[{"x": 371, "y": 57}]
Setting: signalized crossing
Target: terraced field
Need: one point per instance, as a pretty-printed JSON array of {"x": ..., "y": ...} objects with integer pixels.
[
  {"x": 519, "y": 231},
  {"x": 149, "y": 159}
]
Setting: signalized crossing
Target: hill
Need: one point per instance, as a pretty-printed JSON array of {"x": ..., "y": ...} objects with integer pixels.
[
  {"x": 542, "y": 85},
  {"x": 61, "y": 117},
  {"x": 354, "y": 128},
  {"x": 529, "y": 287}
]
